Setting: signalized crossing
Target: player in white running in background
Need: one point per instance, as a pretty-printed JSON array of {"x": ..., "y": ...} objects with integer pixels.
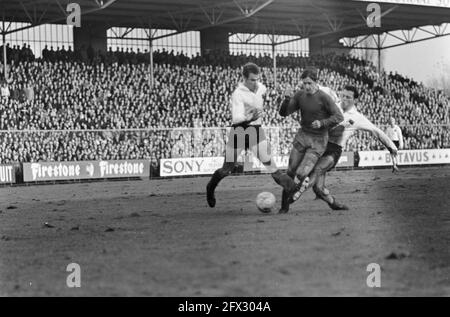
[
  {"x": 338, "y": 137},
  {"x": 395, "y": 135}
]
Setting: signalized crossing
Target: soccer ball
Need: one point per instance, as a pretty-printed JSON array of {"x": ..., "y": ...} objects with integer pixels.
[{"x": 265, "y": 202}]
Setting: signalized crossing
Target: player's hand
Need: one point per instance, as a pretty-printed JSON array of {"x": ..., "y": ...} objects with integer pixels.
[
  {"x": 254, "y": 114},
  {"x": 257, "y": 114},
  {"x": 288, "y": 92},
  {"x": 316, "y": 124}
]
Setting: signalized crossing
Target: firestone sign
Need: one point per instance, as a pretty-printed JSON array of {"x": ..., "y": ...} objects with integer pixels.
[{"x": 49, "y": 171}]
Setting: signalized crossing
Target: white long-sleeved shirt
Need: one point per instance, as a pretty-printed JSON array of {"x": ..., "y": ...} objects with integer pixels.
[
  {"x": 354, "y": 121},
  {"x": 395, "y": 133},
  {"x": 244, "y": 100},
  {"x": 332, "y": 94}
]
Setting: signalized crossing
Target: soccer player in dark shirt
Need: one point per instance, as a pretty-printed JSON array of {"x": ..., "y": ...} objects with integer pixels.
[
  {"x": 338, "y": 136},
  {"x": 318, "y": 113}
]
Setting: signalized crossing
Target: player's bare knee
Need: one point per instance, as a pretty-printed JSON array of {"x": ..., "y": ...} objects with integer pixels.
[
  {"x": 303, "y": 172},
  {"x": 319, "y": 191},
  {"x": 319, "y": 170},
  {"x": 227, "y": 169}
]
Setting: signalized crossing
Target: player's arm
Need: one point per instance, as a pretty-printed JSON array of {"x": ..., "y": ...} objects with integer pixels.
[
  {"x": 336, "y": 115},
  {"x": 290, "y": 103},
  {"x": 400, "y": 137},
  {"x": 365, "y": 124}
]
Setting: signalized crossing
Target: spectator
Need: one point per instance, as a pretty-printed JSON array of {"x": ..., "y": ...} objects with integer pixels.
[
  {"x": 113, "y": 92},
  {"x": 394, "y": 133},
  {"x": 5, "y": 91}
]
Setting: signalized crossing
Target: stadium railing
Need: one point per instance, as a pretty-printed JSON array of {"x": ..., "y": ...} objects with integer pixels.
[{"x": 191, "y": 151}]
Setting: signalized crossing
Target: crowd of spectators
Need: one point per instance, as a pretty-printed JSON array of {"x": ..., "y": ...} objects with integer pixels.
[{"x": 50, "y": 101}]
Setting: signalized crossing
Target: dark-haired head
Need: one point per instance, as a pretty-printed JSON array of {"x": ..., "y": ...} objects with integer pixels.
[
  {"x": 251, "y": 72},
  {"x": 349, "y": 95},
  {"x": 352, "y": 89},
  {"x": 250, "y": 68},
  {"x": 310, "y": 72},
  {"x": 309, "y": 80}
]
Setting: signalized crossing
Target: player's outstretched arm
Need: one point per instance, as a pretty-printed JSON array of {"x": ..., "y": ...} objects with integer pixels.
[
  {"x": 385, "y": 140},
  {"x": 401, "y": 144},
  {"x": 366, "y": 125}
]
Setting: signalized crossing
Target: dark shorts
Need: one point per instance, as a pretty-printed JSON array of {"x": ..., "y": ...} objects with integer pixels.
[
  {"x": 335, "y": 151},
  {"x": 397, "y": 144},
  {"x": 246, "y": 136},
  {"x": 311, "y": 143}
]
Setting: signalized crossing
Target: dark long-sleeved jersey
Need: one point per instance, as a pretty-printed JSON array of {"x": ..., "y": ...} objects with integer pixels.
[{"x": 318, "y": 106}]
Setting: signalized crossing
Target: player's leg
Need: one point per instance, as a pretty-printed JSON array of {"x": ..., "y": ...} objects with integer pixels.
[
  {"x": 325, "y": 195},
  {"x": 303, "y": 170},
  {"x": 317, "y": 177},
  {"x": 263, "y": 152},
  {"x": 325, "y": 164},
  {"x": 315, "y": 150},
  {"x": 218, "y": 175},
  {"x": 296, "y": 156},
  {"x": 320, "y": 182},
  {"x": 227, "y": 168},
  {"x": 394, "y": 159},
  {"x": 317, "y": 147}
]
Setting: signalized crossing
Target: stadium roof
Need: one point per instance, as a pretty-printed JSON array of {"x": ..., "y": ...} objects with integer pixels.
[{"x": 305, "y": 18}]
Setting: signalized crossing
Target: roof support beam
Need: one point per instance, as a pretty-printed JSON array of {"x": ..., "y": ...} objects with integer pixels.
[
  {"x": 408, "y": 37},
  {"x": 351, "y": 27},
  {"x": 35, "y": 22},
  {"x": 216, "y": 20}
]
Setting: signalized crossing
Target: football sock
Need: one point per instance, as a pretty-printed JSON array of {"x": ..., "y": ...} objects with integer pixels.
[{"x": 283, "y": 180}]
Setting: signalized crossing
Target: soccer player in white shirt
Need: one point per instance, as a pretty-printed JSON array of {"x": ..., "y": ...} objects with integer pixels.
[
  {"x": 395, "y": 134},
  {"x": 338, "y": 136},
  {"x": 247, "y": 105}
]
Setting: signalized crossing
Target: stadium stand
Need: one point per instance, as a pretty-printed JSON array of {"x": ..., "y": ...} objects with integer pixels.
[{"x": 67, "y": 92}]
